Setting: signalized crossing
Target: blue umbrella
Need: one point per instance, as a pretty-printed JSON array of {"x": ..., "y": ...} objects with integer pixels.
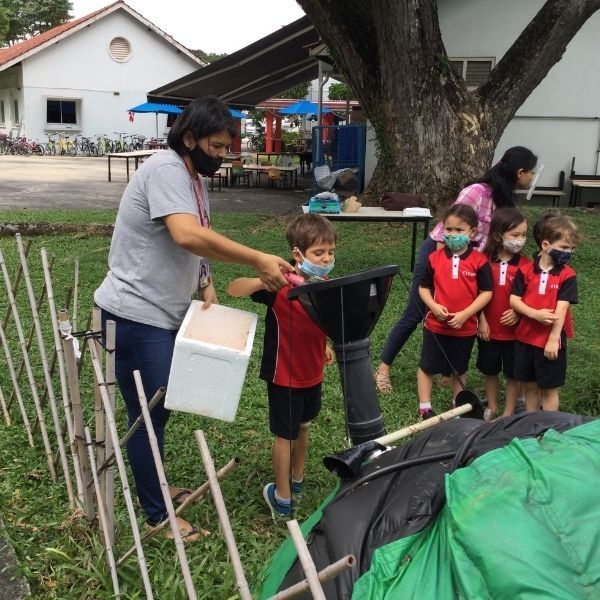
[
  {"x": 236, "y": 114},
  {"x": 303, "y": 107},
  {"x": 152, "y": 107}
]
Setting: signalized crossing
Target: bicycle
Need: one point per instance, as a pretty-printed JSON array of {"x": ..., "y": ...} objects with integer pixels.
[
  {"x": 65, "y": 145},
  {"x": 37, "y": 148},
  {"x": 51, "y": 146},
  {"x": 120, "y": 145}
]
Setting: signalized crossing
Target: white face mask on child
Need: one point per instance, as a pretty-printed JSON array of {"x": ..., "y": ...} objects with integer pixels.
[{"x": 514, "y": 246}]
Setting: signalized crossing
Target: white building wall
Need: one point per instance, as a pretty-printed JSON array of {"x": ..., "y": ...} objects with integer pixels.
[
  {"x": 80, "y": 68},
  {"x": 561, "y": 118}
]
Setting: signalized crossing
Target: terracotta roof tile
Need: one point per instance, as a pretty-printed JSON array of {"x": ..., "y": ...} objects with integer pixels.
[{"x": 12, "y": 52}]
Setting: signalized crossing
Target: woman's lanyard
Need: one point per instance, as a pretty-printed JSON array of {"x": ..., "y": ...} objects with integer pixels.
[{"x": 200, "y": 192}]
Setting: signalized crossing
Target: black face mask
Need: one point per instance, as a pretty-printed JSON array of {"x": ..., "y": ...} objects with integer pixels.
[{"x": 204, "y": 163}]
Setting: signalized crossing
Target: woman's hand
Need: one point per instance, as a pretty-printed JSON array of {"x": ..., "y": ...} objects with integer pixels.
[
  {"x": 270, "y": 269},
  {"x": 509, "y": 317},
  {"x": 209, "y": 296}
]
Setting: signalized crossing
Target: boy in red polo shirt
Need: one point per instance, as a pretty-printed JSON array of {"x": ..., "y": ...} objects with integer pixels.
[
  {"x": 294, "y": 355},
  {"x": 542, "y": 294},
  {"x": 456, "y": 285}
]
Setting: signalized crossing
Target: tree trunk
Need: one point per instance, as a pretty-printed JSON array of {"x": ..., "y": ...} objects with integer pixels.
[{"x": 434, "y": 136}]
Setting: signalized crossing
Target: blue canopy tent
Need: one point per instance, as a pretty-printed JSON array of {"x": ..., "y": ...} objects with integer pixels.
[
  {"x": 236, "y": 114},
  {"x": 151, "y": 107},
  {"x": 303, "y": 107}
]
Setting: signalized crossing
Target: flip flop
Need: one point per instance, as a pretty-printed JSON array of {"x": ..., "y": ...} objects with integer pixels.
[
  {"x": 187, "y": 536},
  {"x": 382, "y": 382},
  {"x": 181, "y": 496}
]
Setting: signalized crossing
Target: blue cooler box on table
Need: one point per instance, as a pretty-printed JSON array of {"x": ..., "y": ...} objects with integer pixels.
[{"x": 324, "y": 205}]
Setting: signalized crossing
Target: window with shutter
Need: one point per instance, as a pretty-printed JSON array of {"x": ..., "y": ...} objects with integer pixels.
[
  {"x": 120, "y": 49},
  {"x": 475, "y": 71}
]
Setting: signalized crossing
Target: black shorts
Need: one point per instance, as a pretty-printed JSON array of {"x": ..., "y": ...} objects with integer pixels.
[
  {"x": 496, "y": 356},
  {"x": 457, "y": 349},
  {"x": 532, "y": 365},
  {"x": 289, "y": 407}
]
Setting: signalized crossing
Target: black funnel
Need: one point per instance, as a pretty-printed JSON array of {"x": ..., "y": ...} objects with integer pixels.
[{"x": 347, "y": 309}]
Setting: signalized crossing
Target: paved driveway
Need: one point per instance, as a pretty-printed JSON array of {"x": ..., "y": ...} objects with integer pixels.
[{"x": 78, "y": 182}]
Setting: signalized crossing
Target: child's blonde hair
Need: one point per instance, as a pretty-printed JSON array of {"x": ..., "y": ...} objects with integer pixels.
[{"x": 556, "y": 227}]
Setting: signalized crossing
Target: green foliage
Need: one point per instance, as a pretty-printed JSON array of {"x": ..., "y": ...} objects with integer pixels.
[
  {"x": 340, "y": 91},
  {"x": 209, "y": 57},
  {"x": 29, "y": 18},
  {"x": 60, "y": 553},
  {"x": 298, "y": 91},
  {"x": 4, "y": 23}
]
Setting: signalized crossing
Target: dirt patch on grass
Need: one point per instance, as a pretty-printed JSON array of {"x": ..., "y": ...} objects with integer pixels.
[{"x": 79, "y": 230}]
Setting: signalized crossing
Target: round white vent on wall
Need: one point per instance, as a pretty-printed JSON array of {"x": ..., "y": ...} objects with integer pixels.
[{"x": 120, "y": 49}]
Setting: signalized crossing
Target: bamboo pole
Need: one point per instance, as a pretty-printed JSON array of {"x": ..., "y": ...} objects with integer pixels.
[
  {"x": 32, "y": 383},
  {"x": 30, "y": 339},
  {"x": 15, "y": 286},
  {"x": 195, "y": 495},
  {"x": 47, "y": 378},
  {"x": 5, "y": 408},
  {"x": 88, "y": 325},
  {"x": 78, "y": 425},
  {"x": 109, "y": 479},
  {"x": 110, "y": 458},
  {"x": 15, "y": 383},
  {"x": 164, "y": 487},
  {"x": 64, "y": 386},
  {"x": 103, "y": 518},
  {"x": 74, "y": 314},
  {"x": 327, "y": 574},
  {"x": 306, "y": 560},
  {"x": 98, "y": 410},
  {"x": 215, "y": 488},
  {"x": 112, "y": 431}
]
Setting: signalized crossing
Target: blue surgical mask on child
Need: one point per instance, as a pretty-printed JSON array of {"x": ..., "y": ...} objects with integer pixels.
[
  {"x": 312, "y": 270},
  {"x": 560, "y": 257},
  {"x": 456, "y": 242}
]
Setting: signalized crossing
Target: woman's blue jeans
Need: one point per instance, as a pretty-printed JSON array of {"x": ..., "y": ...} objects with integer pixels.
[
  {"x": 415, "y": 309},
  {"x": 149, "y": 350}
]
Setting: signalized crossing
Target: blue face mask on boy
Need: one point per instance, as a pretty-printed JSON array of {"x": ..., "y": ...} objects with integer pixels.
[
  {"x": 312, "y": 270},
  {"x": 456, "y": 242},
  {"x": 560, "y": 257}
]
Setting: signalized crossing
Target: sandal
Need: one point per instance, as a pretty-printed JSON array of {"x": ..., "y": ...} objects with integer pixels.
[
  {"x": 179, "y": 495},
  {"x": 383, "y": 382},
  {"x": 189, "y": 532}
]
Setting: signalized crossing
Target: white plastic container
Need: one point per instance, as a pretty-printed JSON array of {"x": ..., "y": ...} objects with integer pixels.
[{"x": 212, "y": 349}]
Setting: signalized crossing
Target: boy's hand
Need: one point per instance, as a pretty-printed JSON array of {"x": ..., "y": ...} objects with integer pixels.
[
  {"x": 329, "y": 355},
  {"x": 509, "y": 317},
  {"x": 551, "y": 349},
  {"x": 439, "y": 312},
  {"x": 209, "y": 296},
  {"x": 457, "y": 320},
  {"x": 545, "y": 316},
  {"x": 483, "y": 330}
]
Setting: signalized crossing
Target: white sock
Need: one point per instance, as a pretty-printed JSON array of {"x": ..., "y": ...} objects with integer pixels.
[
  {"x": 424, "y": 407},
  {"x": 280, "y": 499}
]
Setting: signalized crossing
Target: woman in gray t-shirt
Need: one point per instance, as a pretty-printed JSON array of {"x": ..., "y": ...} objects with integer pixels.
[{"x": 158, "y": 259}]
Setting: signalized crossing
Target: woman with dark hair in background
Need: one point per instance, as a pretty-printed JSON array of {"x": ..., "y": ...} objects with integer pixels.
[
  {"x": 495, "y": 189},
  {"x": 158, "y": 259}
]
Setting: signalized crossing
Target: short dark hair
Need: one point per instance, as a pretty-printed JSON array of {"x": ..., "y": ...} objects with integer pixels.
[
  {"x": 539, "y": 224},
  {"x": 556, "y": 227},
  {"x": 202, "y": 118},
  {"x": 464, "y": 212},
  {"x": 308, "y": 229}
]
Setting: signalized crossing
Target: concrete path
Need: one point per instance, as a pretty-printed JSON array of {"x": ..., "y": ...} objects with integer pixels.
[
  {"x": 12, "y": 587},
  {"x": 38, "y": 182}
]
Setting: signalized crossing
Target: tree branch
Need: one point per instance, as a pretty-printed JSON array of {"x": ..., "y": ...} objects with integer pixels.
[{"x": 527, "y": 62}]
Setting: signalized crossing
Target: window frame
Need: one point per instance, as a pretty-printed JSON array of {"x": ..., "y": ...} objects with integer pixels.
[
  {"x": 467, "y": 59},
  {"x": 2, "y": 113},
  {"x": 51, "y": 126},
  {"x": 16, "y": 117}
]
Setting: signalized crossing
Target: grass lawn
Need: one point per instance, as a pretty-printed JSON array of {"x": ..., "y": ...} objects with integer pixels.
[{"x": 61, "y": 555}]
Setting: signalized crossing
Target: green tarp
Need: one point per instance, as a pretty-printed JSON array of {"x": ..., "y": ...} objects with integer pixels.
[{"x": 522, "y": 521}]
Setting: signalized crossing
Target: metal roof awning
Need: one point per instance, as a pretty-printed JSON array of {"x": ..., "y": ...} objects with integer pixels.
[{"x": 255, "y": 73}]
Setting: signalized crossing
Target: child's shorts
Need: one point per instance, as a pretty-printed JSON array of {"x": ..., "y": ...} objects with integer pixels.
[
  {"x": 532, "y": 365},
  {"x": 289, "y": 407},
  {"x": 496, "y": 356},
  {"x": 457, "y": 349}
]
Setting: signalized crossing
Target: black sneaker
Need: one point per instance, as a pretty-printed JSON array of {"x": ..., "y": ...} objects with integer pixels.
[{"x": 427, "y": 415}]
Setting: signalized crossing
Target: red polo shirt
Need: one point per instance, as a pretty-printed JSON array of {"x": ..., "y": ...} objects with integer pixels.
[
  {"x": 543, "y": 289},
  {"x": 455, "y": 282},
  {"x": 503, "y": 274}
]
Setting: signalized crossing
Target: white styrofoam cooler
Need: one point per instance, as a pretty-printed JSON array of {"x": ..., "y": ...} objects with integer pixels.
[{"x": 212, "y": 349}]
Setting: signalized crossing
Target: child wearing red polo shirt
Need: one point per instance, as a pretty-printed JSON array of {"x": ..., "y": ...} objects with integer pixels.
[
  {"x": 497, "y": 321},
  {"x": 455, "y": 286},
  {"x": 542, "y": 294}
]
